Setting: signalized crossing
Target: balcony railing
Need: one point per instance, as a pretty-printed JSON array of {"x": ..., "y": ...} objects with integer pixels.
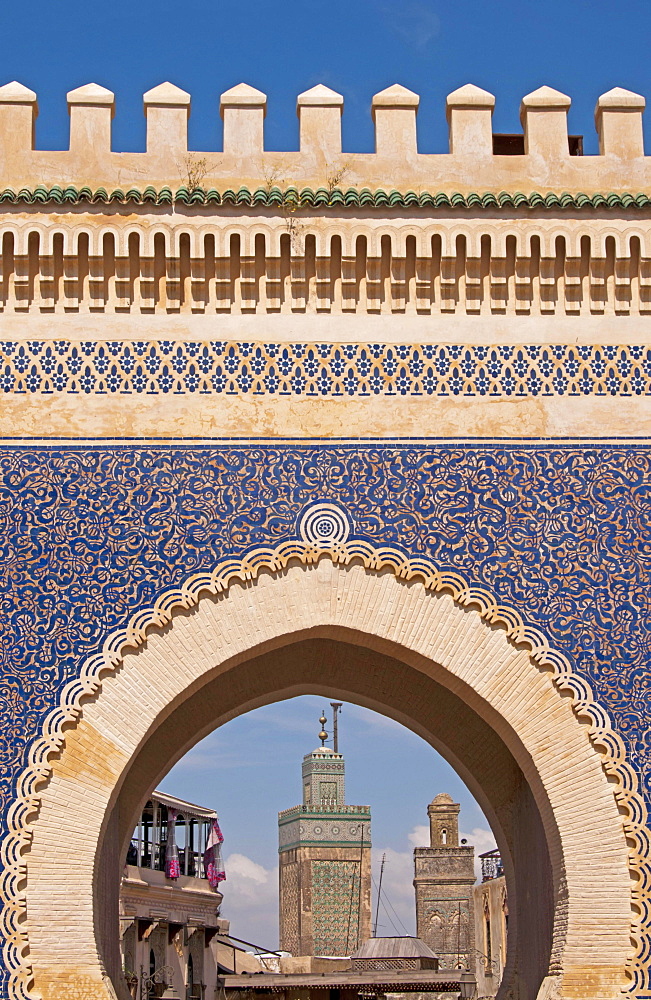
[
  {"x": 491, "y": 865},
  {"x": 153, "y": 857}
]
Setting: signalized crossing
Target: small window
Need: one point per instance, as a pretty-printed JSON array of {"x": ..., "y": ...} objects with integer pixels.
[{"x": 512, "y": 144}]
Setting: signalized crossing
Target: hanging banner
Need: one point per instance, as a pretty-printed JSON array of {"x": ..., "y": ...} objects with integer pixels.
[
  {"x": 212, "y": 858},
  {"x": 172, "y": 863}
]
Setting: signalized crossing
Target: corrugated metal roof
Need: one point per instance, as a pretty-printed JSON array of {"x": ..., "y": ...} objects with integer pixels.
[
  {"x": 183, "y": 807},
  {"x": 394, "y": 947}
]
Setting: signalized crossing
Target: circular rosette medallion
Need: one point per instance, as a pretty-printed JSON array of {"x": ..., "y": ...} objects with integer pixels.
[{"x": 324, "y": 525}]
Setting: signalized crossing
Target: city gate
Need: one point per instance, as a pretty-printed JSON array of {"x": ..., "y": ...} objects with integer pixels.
[{"x": 281, "y": 422}]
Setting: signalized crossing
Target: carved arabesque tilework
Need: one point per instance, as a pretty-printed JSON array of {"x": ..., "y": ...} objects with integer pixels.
[
  {"x": 90, "y": 533},
  {"x": 335, "y": 906}
]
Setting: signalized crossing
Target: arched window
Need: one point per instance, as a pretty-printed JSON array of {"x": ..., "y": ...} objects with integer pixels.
[
  {"x": 152, "y": 970},
  {"x": 505, "y": 923},
  {"x": 444, "y": 836},
  {"x": 488, "y": 942}
]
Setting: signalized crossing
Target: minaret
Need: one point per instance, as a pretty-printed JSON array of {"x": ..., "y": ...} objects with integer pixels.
[
  {"x": 444, "y": 874},
  {"x": 325, "y": 862}
]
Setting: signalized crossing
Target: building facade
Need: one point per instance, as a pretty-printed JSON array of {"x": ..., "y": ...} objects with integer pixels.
[
  {"x": 491, "y": 913},
  {"x": 444, "y": 877},
  {"x": 170, "y": 925},
  {"x": 324, "y": 864},
  {"x": 273, "y": 420}
]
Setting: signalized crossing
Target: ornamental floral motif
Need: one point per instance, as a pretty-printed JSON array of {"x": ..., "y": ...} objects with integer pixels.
[
  {"x": 318, "y": 370},
  {"x": 90, "y": 534}
]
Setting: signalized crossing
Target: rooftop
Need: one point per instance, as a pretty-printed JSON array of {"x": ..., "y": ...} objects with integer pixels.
[
  {"x": 540, "y": 159},
  {"x": 386, "y": 981},
  {"x": 172, "y": 802},
  {"x": 394, "y": 947}
]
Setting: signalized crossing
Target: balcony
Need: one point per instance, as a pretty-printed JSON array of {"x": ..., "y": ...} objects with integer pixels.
[{"x": 491, "y": 865}]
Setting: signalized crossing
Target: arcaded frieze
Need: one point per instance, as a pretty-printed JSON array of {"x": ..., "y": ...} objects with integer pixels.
[{"x": 300, "y": 262}]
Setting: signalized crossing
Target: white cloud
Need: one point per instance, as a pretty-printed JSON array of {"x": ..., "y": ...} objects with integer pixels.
[
  {"x": 244, "y": 870},
  {"x": 419, "y": 836},
  {"x": 373, "y": 720},
  {"x": 414, "y": 21},
  {"x": 481, "y": 839},
  {"x": 251, "y": 900},
  {"x": 216, "y": 751}
]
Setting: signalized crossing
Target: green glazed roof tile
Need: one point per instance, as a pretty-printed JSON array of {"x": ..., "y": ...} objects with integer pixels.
[{"x": 322, "y": 197}]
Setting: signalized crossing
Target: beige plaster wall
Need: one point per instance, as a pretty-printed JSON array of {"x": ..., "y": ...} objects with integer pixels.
[
  {"x": 220, "y": 417},
  {"x": 293, "y": 328}
]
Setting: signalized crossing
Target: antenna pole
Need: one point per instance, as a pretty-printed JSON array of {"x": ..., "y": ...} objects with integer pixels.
[
  {"x": 379, "y": 894},
  {"x": 359, "y": 901},
  {"x": 335, "y": 706},
  {"x": 459, "y": 938}
]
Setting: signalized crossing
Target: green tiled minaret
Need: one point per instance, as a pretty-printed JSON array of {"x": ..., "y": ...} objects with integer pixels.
[{"x": 325, "y": 862}]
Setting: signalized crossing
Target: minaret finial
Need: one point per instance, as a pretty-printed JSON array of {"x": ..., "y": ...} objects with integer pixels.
[{"x": 323, "y": 735}]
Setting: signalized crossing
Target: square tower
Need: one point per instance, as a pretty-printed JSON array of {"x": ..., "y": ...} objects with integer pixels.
[
  {"x": 444, "y": 876},
  {"x": 325, "y": 864}
]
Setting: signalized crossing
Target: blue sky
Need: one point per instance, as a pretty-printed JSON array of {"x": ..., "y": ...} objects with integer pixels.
[
  {"x": 251, "y": 768},
  {"x": 510, "y": 47}
]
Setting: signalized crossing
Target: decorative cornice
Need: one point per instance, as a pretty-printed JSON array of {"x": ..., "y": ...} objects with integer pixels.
[
  {"x": 291, "y": 198},
  {"x": 347, "y": 813},
  {"x": 606, "y": 741}
]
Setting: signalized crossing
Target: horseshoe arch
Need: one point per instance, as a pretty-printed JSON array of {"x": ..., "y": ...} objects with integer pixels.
[{"x": 385, "y": 631}]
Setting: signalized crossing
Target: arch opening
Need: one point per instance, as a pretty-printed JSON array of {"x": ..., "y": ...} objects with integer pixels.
[{"x": 387, "y": 685}]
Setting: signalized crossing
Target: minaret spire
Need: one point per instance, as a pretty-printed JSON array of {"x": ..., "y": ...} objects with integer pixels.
[{"x": 323, "y": 735}]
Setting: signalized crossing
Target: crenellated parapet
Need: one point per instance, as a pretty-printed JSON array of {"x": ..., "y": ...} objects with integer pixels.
[
  {"x": 515, "y": 225},
  {"x": 543, "y": 157}
]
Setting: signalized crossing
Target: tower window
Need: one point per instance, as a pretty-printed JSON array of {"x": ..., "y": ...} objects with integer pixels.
[
  {"x": 444, "y": 836},
  {"x": 328, "y": 793}
]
